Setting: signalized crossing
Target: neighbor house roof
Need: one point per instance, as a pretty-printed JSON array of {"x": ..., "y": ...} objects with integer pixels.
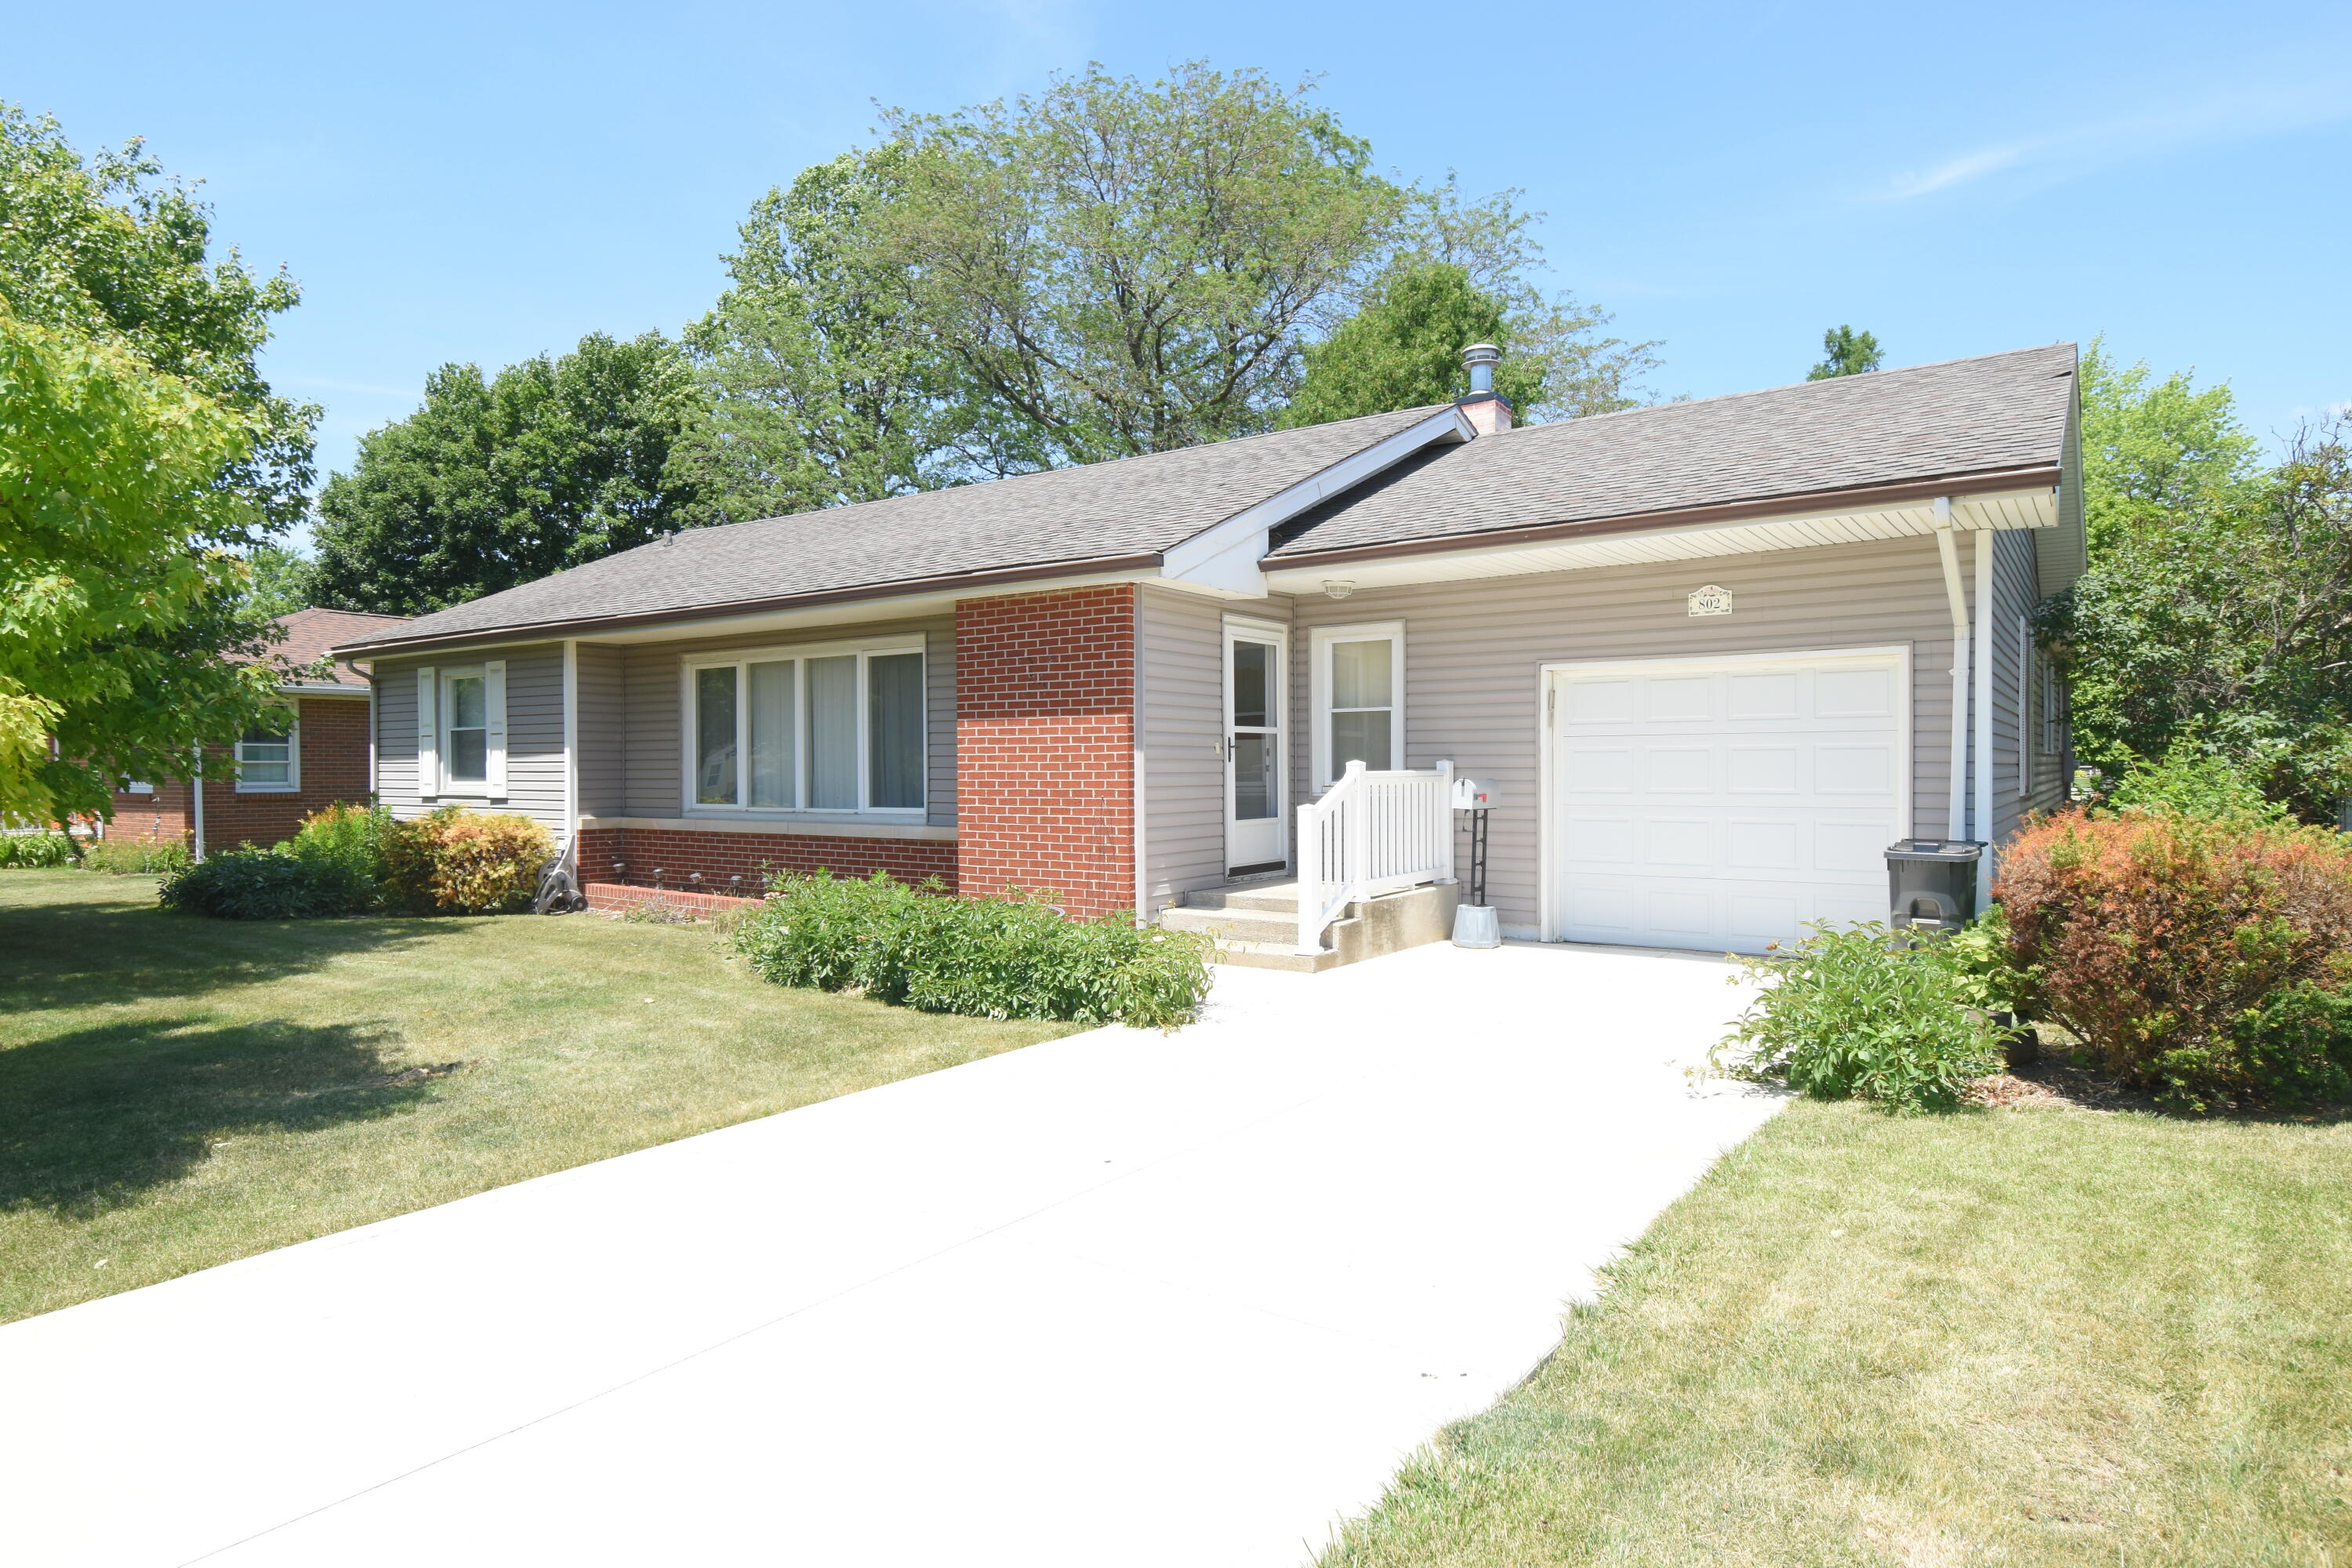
[
  {"x": 1103, "y": 516},
  {"x": 1999, "y": 414},
  {"x": 308, "y": 634}
]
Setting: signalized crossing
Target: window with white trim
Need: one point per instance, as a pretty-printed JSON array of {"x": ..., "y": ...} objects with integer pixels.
[
  {"x": 461, "y": 730},
  {"x": 1359, "y": 697},
  {"x": 269, "y": 761},
  {"x": 834, "y": 728}
]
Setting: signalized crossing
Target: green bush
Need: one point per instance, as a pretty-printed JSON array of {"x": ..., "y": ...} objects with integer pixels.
[
  {"x": 2191, "y": 781},
  {"x": 26, "y": 851},
  {"x": 348, "y": 837},
  {"x": 137, "y": 856},
  {"x": 989, "y": 958},
  {"x": 460, "y": 862},
  {"x": 2297, "y": 1046},
  {"x": 274, "y": 884},
  {"x": 1859, "y": 1013}
]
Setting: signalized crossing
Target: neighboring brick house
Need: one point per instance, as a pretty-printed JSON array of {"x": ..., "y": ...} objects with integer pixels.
[
  {"x": 258, "y": 791},
  {"x": 1710, "y": 657}
]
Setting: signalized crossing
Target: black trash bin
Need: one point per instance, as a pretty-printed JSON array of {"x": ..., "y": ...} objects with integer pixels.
[{"x": 1931, "y": 884}]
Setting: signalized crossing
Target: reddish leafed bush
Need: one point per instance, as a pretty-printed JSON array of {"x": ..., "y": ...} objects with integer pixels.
[
  {"x": 461, "y": 862},
  {"x": 2152, "y": 935}
]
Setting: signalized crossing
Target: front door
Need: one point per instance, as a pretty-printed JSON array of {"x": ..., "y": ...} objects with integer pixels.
[{"x": 1256, "y": 830}]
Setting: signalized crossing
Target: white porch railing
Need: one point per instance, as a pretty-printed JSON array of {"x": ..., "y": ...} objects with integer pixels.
[{"x": 1371, "y": 833}]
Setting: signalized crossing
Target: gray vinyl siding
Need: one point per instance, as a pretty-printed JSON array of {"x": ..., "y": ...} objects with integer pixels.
[
  {"x": 535, "y": 761},
  {"x": 604, "y": 740},
  {"x": 1183, "y": 727},
  {"x": 2016, "y": 593},
  {"x": 1473, "y": 651},
  {"x": 651, "y": 777}
]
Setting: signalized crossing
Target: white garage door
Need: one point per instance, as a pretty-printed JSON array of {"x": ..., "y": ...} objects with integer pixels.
[{"x": 1723, "y": 805}]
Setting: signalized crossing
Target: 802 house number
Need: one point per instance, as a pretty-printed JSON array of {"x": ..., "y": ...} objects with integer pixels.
[{"x": 1712, "y": 600}]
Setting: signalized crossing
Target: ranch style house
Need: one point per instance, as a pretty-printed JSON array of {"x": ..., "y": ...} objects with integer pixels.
[{"x": 1708, "y": 658}]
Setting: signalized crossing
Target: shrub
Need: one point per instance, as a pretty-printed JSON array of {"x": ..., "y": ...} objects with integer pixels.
[
  {"x": 350, "y": 837},
  {"x": 274, "y": 884},
  {"x": 25, "y": 851},
  {"x": 137, "y": 856},
  {"x": 2296, "y": 1045},
  {"x": 2152, "y": 934},
  {"x": 1858, "y": 1014},
  {"x": 2191, "y": 781},
  {"x": 990, "y": 958},
  {"x": 455, "y": 862}
]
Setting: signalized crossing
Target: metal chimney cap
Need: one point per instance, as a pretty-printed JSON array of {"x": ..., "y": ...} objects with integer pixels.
[{"x": 1480, "y": 360}]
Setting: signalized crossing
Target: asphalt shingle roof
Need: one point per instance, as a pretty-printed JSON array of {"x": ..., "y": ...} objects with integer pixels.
[
  {"x": 1133, "y": 506},
  {"x": 1930, "y": 421},
  {"x": 304, "y": 635}
]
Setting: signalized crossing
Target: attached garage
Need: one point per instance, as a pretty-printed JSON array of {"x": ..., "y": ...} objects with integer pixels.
[{"x": 1723, "y": 804}]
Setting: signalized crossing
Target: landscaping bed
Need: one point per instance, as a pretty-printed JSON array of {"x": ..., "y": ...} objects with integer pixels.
[{"x": 175, "y": 1092}]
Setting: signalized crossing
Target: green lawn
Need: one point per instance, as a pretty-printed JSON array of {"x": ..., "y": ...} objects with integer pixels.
[
  {"x": 176, "y": 1093},
  {"x": 2041, "y": 1335}
]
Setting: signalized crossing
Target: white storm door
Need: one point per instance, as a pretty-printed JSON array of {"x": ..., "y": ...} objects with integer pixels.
[
  {"x": 1257, "y": 826},
  {"x": 1724, "y": 805}
]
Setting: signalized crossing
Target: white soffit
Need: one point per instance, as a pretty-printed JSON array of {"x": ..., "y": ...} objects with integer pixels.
[{"x": 2012, "y": 509}]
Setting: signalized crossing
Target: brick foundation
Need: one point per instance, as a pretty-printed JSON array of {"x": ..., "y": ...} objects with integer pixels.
[
  {"x": 613, "y": 898},
  {"x": 679, "y": 853},
  {"x": 1045, "y": 745}
]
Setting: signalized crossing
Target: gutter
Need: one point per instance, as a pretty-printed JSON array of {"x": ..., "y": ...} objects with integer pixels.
[
  {"x": 1865, "y": 498},
  {"x": 1957, "y": 817}
]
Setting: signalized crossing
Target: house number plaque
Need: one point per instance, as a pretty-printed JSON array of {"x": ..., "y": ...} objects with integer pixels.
[{"x": 1712, "y": 600}]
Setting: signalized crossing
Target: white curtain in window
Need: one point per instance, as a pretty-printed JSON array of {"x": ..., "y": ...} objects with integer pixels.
[
  {"x": 774, "y": 779},
  {"x": 832, "y": 733}
]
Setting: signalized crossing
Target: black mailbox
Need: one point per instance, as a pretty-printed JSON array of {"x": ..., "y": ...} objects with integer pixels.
[{"x": 1931, "y": 884}]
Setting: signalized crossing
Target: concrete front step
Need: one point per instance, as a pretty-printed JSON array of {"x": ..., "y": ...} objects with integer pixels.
[
  {"x": 1235, "y": 924},
  {"x": 1256, "y": 926}
]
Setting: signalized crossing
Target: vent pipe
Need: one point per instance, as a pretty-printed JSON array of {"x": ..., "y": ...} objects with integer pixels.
[{"x": 1488, "y": 411}]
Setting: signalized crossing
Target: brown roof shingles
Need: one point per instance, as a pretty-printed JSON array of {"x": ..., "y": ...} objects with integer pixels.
[{"x": 307, "y": 635}]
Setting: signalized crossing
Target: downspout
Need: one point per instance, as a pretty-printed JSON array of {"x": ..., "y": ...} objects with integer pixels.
[
  {"x": 1140, "y": 710},
  {"x": 196, "y": 800},
  {"x": 1983, "y": 767},
  {"x": 1957, "y": 817}
]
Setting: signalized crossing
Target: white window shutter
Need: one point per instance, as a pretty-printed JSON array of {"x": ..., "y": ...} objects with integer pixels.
[
  {"x": 428, "y": 735},
  {"x": 494, "y": 715}
]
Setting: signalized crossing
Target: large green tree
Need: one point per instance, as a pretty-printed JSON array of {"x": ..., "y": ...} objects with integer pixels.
[
  {"x": 823, "y": 387},
  {"x": 1462, "y": 272},
  {"x": 1846, "y": 352},
  {"x": 500, "y": 480},
  {"x": 1116, "y": 267},
  {"x": 2217, "y": 612},
  {"x": 142, "y": 455}
]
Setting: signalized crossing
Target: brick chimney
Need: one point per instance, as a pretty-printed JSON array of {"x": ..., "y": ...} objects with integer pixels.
[{"x": 1488, "y": 411}]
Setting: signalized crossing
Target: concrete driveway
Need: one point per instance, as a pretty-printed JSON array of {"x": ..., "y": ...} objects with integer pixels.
[{"x": 1124, "y": 1298}]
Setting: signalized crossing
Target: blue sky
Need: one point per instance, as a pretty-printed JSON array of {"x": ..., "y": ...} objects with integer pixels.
[{"x": 484, "y": 181}]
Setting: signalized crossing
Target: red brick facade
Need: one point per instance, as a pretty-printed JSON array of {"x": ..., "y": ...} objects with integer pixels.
[
  {"x": 678, "y": 854},
  {"x": 333, "y": 766},
  {"x": 616, "y": 898},
  {"x": 1045, "y": 745}
]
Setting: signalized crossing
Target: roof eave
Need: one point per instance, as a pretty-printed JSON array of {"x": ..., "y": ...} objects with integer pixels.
[
  {"x": 590, "y": 626},
  {"x": 1864, "y": 496}
]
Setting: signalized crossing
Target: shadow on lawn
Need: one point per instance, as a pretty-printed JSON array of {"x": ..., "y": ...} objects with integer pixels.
[
  {"x": 89, "y": 1120},
  {"x": 75, "y": 955}
]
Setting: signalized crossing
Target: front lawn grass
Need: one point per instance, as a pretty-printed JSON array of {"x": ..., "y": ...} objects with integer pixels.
[
  {"x": 2041, "y": 1335},
  {"x": 176, "y": 1093}
]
